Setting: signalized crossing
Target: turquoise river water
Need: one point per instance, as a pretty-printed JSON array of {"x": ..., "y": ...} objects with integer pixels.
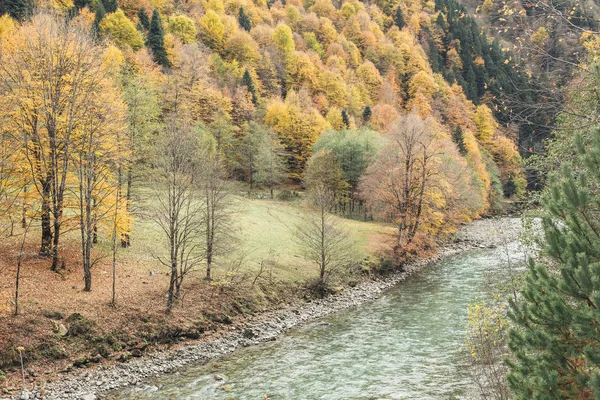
[{"x": 408, "y": 344}]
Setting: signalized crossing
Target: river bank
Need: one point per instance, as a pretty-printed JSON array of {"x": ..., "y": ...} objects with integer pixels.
[{"x": 90, "y": 384}]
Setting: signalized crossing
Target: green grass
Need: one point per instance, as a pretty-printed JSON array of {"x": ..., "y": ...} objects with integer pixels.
[{"x": 264, "y": 230}]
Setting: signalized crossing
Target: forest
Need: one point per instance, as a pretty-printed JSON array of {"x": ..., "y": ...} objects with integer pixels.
[{"x": 168, "y": 166}]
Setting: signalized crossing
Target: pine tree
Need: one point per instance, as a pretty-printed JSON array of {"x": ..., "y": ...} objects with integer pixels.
[
  {"x": 399, "y": 18},
  {"x": 458, "y": 137},
  {"x": 79, "y": 4},
  {"x": 99, "y": 16},
  {"x": 143, "y": 17},
  {"x": 18, "y": 9},
  {"x": 243, "y": 20},
  {"x": 156, "y": 40},
  {"x": 345, "y": 118},
  {"x": 249, "y": 83},
  {"x": 366, "y": 115},
  {"x": 110, "y": 6},
  {"x": 557, "y": 317}
]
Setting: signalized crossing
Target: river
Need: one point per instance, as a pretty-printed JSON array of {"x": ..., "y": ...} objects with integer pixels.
[{"x": 408, "y": 344}]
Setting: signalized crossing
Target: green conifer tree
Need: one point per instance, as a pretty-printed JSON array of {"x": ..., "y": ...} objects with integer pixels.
[
  {"x": 79, "y": 4},
  {"x": 366, "y": 115},
  {"x": 458, "y": 137},
  {"x": 110, "y": 6},
  {"x": 143, "y": 17},
  {"x": 244, "y": 21},
  {"x": 249, "y": 83},
  {"x": 345, "y": 118},
  {"x": 99, "y": 16},
  {"x": 156, "y": 40},
  {"x": 18, "y": 9},
  {"x": 399, "y": 18},
  {"x": 557, "y": 317}
]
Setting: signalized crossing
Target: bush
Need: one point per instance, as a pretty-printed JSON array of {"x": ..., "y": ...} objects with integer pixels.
[{"x": 287, "y": 195}]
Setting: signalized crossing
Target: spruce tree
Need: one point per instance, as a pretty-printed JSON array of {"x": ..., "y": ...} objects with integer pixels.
[
  {"x": 345, "y": 118},
  {"x": 18, "y": 9},
  {"x": 249, "y": 83},
  {"x": 156, "y": 40},
  {"x": 557, "y": 317},
  {"x": 458, "y": 137},
  {"x": 243, "y": 20},
  {"x": 110, "y": 6},
  {"x": 399, "y": 18},
  {"x": 99, "y": 16},
  {"x": 143, "y": 17},
  {"x": 366, "y": 115},
  {"x": 79, "y": 4}
]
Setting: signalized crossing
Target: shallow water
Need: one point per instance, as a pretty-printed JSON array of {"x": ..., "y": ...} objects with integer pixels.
[{"x": 406, "y": 345}]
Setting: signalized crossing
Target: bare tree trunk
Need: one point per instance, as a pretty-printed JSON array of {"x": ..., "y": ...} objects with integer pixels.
[
  {"x": 55, "y": 242},
  {"x": 171, "y": 292},
  {"x": 46, "y": 247},
  {"x": 126, "y": 239}
]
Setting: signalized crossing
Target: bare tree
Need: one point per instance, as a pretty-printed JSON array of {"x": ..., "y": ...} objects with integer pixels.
[
  {"x": 20, "y": 263},
  {"x": 395, "y": 186},
  {"x": 179, "y": 211},
  {"x": 217, "y": 210},
  {"x": 324, "y": 242}
]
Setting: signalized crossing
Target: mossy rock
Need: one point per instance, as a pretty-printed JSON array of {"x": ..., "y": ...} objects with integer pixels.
[
  {"x": 52, "y": 351},
  {"x": 82, "y": 362},
  {"x": 104, "y": 350},
  {"x": 79, "y": 325}
]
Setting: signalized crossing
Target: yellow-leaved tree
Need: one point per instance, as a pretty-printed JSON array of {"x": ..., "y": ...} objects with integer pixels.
[
  {"x": 51, "y": 69},
  {"x": 298, "y": 127}
]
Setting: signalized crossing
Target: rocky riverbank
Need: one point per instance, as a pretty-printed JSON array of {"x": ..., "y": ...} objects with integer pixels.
[{"x": 91, "y": 384}]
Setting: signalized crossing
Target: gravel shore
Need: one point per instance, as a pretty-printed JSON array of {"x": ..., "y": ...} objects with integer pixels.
[{"x": 91, "y": 384}]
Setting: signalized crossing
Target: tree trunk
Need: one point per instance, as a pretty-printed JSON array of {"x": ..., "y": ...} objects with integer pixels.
[
  {"x": 126, "y": 240},
  {"x": 46, "y": 247},
  {"x": 55, "y": 242},
  {"x": 172, "y": 284}
]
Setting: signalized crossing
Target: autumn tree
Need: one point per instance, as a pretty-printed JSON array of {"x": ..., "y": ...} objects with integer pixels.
[
  {"x": 183, "y": 27},
  {"x": 212, "y": 31},
  {"x": 216, "y": 210},
  {"x": 100, "y": 154},
  {"x": 397, "y": 185},
  {"x": 156, "y": 40},
  {"x": 321, "y": 235},
  {"x": 263, "y": 157},
  {"x": 323, "y": 169},
  {"x": 47, "y": 107},
  {"x": 120, "y": 29},
  {"x": 354, "y": 150},
  {"x": 178, "y": 211},
  {"x": 298, "y": 126}
]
